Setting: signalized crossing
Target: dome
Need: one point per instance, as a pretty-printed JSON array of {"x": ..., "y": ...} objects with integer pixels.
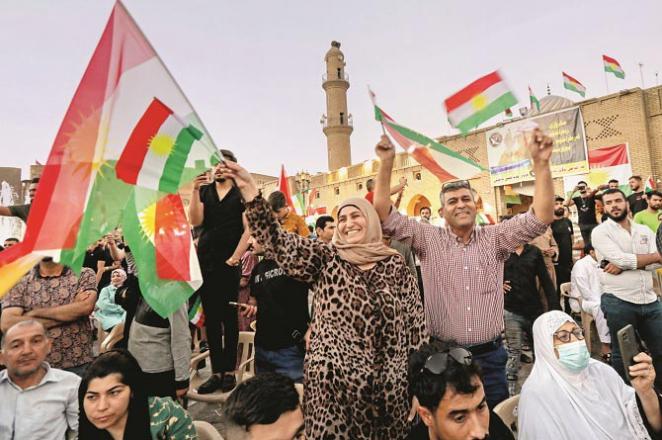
[{"x": 551, "y": 103}]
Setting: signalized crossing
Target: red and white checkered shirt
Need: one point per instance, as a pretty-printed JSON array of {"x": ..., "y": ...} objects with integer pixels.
[{"x": 463, "y": 284}]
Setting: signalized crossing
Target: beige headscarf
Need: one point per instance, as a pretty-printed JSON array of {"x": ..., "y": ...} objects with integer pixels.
[{"x": 371, "y": 249}]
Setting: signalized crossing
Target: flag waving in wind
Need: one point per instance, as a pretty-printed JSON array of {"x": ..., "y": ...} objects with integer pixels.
[
  {"x": 479, "y": 101},
  {"x": 612, "y": 66},
  {"x": 129, "y": 140},
  {"x": 440, "y": 160}
]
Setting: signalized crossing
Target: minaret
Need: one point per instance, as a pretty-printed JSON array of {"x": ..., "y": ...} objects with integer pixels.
[{"x": 337, "y": 122}]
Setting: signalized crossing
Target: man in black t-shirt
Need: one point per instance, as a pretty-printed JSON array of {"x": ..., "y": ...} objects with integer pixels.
[
  {"x": 217, "y": 207},
  {"x": 585, "y": 203},
  {"x": 282, "y": 316},
  {"x": 21, "y": 211},
  {"x": 637, "y": 199},
  {"x": 562, "y": 231}
]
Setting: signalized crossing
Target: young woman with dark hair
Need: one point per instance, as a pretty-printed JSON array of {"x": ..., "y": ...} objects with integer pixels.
[{"x": 113, "y": 404}]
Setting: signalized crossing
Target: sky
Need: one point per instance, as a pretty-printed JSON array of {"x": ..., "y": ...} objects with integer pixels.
[{"x": 253, "y": 69}]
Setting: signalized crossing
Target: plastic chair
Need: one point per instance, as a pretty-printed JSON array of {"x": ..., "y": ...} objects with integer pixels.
[
  {"x": 507, "y": 410},
  {"x": 206, "y": 431},
  {"x": 246, "y": 370},
  {"x": 115, "y": 335}
]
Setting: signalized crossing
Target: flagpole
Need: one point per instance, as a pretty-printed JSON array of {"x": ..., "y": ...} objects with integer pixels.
[
  {"x": 641, "y": 73},
  {"x": 119, "y": 2},
  {"x": 606, "y": 81}
]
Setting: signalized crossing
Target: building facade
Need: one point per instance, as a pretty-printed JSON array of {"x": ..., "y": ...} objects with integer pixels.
[{"x": 631, "y": 116}]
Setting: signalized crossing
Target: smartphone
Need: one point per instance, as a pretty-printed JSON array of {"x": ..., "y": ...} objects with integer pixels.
[{"x": 630, "y": 345}]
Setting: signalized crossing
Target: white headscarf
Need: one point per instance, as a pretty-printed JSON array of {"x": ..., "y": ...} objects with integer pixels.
[{"x": 558, "y": 404}]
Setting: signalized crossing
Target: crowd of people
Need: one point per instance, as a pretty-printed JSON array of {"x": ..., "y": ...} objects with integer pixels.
[{"x": 393, "y": 327}]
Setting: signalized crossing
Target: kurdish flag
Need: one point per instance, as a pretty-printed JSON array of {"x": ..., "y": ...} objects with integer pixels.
[
  {"x": 128, "y": 124},
  {"x": 440, "y": 160},
  {"x": 533, "y": 100},
  {"x": 571, "y": 83},
  {"x": 612, "y": 66},
  {"x": 157, "y": 150},
  {"x": 479, "y": 101},
  {"x": 294, "y": 203},
  {"x": 196, "y": 315}
]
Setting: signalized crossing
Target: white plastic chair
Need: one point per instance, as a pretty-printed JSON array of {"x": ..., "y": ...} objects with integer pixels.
[
  {"x": 507, "y": 410},
  {"x": 206, "y": 431}
]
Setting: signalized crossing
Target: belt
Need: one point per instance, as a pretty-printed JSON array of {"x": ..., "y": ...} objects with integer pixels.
[{"x": 486, "y": 347}]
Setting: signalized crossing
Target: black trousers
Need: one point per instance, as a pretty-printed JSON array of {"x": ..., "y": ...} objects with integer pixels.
[
  {"x": 220, "y": 286},
  {"x": 161, "y": 384}
]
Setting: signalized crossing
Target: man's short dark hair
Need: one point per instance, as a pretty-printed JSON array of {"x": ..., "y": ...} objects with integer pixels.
[
  {"x": 635, "y": 178},
  {"x": 227, "y": 154},
  {"x": 613, "y": 181},
  {"x": 261, "y": 400},
  {"x": 559, "y": 199},
  {"x": 277, "y": 200},
  {"x": 588, "y": 248},
  {"x": 654, "y": 193},
  {"x": 322, "y": 221},
  {"x": 35, "y": 180},
  {"x": 425, "y": 207},
  {"x": 430, "y": 388},
  {"x": 14, "y": 239},
  {"x": 613, "y": 191}
]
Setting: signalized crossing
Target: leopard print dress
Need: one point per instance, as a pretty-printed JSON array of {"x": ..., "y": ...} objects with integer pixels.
[{"x": 365, "y": 325}]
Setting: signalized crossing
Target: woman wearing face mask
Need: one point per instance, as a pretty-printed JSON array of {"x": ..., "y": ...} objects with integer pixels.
[
  {"x": 106, "y": 310},
  {"x": 113, "y": 404},
  {"x": 571, "y": 396},
  {"x": 368, "y": 318}
]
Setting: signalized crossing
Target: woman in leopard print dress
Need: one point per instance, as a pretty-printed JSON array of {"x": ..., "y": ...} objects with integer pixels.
[{"x": 368, "y": 318}]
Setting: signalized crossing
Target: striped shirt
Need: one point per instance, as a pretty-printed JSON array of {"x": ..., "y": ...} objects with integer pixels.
[{"x": 463, "y": 284}]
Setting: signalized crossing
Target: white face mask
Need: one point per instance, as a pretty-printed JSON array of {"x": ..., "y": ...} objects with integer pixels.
[{"x": 574, "y": 356}]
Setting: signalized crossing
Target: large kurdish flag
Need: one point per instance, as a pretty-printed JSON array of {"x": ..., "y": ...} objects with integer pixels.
[
  {"x": 129, "y": 140},
  {"x": 440, "y": 160},
  {"x": 612, "y": 66},
  {"x": 479, "y": 101},
  {"x": 571, "y": 83}
]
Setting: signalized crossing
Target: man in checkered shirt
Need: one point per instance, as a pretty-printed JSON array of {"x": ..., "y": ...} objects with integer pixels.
[{"x": 462, "y": 263}]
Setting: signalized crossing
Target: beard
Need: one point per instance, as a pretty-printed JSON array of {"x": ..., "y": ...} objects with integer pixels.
[
  {"x": 620, "y": 217},
  {"x": 220, "y": 179},
  {"x": 559, "y": 212}
]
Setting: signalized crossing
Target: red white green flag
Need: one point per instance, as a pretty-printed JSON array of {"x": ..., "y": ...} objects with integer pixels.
[
  {"x": 571, "y": 83},
  {"x": 650, "y": 184},
  {"x": 81, "y": 198},
  {"x": 479, "y": 101},
  {"x": 440, "y": 160},
  {"x": 533, "y": 100},
  {"x": 612, "y": 66}
]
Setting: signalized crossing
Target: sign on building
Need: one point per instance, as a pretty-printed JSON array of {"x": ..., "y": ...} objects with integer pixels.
[{"x": 508, "y": 157}]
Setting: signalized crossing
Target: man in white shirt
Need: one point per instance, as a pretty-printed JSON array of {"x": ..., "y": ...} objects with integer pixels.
[
  {"x": 627, "y": 282},
  {"x": 585, "y": 284},
  {"x": 37, "y": 401}
]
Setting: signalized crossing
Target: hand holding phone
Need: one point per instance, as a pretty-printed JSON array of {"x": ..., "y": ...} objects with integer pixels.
[{"x": 630, "y": 346}]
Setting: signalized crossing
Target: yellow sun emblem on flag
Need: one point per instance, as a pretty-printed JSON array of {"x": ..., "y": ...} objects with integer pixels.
[
  {"x": 161, "y": 144},
  {"x": 147, "y": 219},
  {"x": 479, "y": 102}
]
